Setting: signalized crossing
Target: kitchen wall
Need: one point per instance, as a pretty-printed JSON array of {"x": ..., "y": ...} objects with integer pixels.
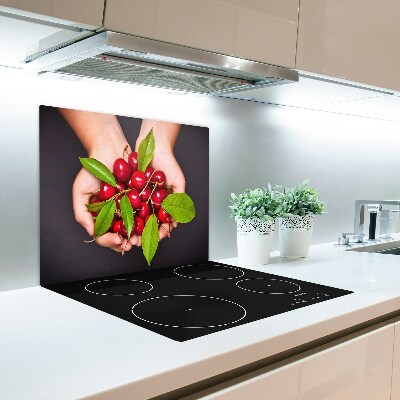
[{"x": 345, "y": 157}]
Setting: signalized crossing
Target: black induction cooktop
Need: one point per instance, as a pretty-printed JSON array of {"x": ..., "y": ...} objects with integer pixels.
[{"x": 188, "y": 301}]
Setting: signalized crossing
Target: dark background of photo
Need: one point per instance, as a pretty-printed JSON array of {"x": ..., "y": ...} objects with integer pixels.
[{"x": 64, "y": 256}]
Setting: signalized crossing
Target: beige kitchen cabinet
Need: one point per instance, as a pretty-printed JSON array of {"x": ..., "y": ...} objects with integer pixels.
[
  {"x": 396, "y": 364},
  {"x": 260, "y": 30},
  {"x": 356, "y": 369},
  {"x": 357, "y": 40},
  {"x": 84, "y": 13}
]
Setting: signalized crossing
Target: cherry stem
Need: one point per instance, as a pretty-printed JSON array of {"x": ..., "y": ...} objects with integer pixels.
[
  {"x": 154, "y": 188},
  {"x": 92, "y": 194},
  {"x": 168, "y": 231},
  {"x": 147, "y": 184},
  {"x": 116, "y": 195},
  {"x": 151, "y": 201},
  {"x": 120, "y": 236},
  {"x": 126, "y": 244},
  {"x": 125, "y": 151}
]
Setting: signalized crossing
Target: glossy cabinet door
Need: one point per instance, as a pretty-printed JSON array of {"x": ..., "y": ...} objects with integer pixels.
[
  {"x": 86, "y": 13},
  {"x": 356, "y": 40},
  {"x": 396, "y": 364},
  {"x": 357, "y": 369},
  {"x": 260, "y": 30}
]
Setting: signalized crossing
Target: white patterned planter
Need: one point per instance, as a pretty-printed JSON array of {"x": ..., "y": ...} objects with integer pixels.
[
  {"x": 295, "y": 235},
  {"x": 254, "y": 240}
]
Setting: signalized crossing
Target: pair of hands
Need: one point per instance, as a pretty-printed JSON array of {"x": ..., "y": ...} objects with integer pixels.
[{"x": 85, "y": 184}]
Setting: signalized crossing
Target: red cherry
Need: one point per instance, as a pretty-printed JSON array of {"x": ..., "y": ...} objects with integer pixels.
[
  {"x": 118, "y": 200},
  {"x": 133, "y": 196},
  {"x": 94, "y": 200},
  {"x": 120, "y": 186},
  {"x": 132, "y": 161},
  {"x": 144, "y": 210},
  {"x": 138, "y": 226},
  {"x": 119, "y": 227},
  {"x": 163, "y": 216},
  {"x": 122, "y": 170},
  {"x": 145, "y": 194},
  {"x": 158, "y": 178},
  {"x": 106, "y": 191},
  {"x": 148, "y": 173},
  {"x": 157, "y": 197},
  {"x": 138, "y": 180}
]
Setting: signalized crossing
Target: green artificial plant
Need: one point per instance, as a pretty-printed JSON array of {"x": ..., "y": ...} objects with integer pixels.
[
  {"x": 301, "y": 200},
  {"x": 264, "y": 204}
]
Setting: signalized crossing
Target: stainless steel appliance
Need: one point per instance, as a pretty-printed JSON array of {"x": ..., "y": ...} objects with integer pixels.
[{"x": 130, "y": 59}]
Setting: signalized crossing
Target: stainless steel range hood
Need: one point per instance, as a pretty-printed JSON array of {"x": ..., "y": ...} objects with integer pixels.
[{"x": 124, "y": 58}]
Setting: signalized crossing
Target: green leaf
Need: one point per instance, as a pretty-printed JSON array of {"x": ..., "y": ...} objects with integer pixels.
[
  {"x": 99, "y": 170},
  {"x": 180, "y": 207},
  {"x": 104, "y": 219},
  {"x": 302, "y": 200},
  {"x": 127, "y": 214},
  {"x": 146, "y": 151},
  {"x": 150, "y": 238},
  {"x": 96, "y": 206},
  {"x": 257, "y": 203}
]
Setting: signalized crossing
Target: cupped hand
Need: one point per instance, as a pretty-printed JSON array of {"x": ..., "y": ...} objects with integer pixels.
[
  {"x": 102, "y": 137},
  {"x": 165, "y": 136},
  {"x": 83, "y": 188},
  {"x": 166, "y": 161}
]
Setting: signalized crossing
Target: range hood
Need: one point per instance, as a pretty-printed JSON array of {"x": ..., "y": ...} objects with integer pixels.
[{"x": 130, "y": 59}]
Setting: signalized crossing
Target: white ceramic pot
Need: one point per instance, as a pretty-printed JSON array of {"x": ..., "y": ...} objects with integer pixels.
[
  {"x": 254, "y": 240},
  {"x": 295, "y": 236}
]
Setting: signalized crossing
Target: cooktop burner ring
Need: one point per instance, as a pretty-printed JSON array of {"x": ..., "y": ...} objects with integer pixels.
[
  {"x": 224, "y": 268},
  {"x": 242, "y": 309},
  {"x": 151, "y": 287},
  {"x": 298, "y": 287}
]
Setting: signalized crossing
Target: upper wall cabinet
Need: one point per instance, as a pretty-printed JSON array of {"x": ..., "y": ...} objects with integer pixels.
[
  {"x": 356, "y": 40},
  {"x": 259, "y": 30},
  {"x": 85, "y": 13}
]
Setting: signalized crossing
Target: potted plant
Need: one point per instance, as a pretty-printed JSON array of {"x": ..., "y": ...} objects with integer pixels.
[
  {"x": 300, "y": 204},
  {"x": 255, "y": 212}
]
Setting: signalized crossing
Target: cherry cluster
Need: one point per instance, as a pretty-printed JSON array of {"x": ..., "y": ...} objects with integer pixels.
[{"x": 145, "y": 191}]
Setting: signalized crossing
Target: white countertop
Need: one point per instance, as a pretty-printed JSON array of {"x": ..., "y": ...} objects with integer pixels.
[{"x": 52, "y": 347}]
